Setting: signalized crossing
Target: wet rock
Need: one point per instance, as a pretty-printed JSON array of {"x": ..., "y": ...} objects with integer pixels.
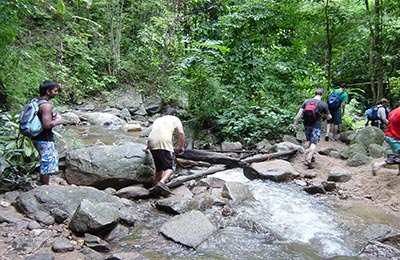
[
  {"x": 275, "y": 170},
  {"x": 189, "y": 229},
  {"x": 175, "y": 205},
  {"x": 126, "y": 256},
  {"x": 315, "y": 189},
  {"x": 237, "y": 192}
]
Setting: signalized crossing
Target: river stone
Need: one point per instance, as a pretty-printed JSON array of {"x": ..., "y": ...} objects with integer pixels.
[
  {"x": 339, "y": 175},
  {"x": 237, "y": 192},
  {"x": 90, "y": 218},
  {"x": 40, "y": 256},
  {"x": 275, "y": 170},
  {"x": 189, "y": 229},
  {"x": 104, "y": 119},
  {"x": 110, "y": 166},
  {"x": 62, "y": 245}
]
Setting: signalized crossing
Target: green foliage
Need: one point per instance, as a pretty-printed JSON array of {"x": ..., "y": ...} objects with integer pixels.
[
  {"x": 249, "y": 124},
  {"x": 19, "y": 158}
]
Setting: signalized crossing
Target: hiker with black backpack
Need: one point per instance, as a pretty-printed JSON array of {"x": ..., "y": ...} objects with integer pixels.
[
  {"x": 337, "y": 101},
  {"x": 312, "y": 110},
  {"x": 377, "y": 114},
  {"x": 44, "y": 141}
]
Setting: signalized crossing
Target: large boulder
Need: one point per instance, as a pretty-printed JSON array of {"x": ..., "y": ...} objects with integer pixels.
[
  {"x": 109, "y": 166},
  {"x": 51, "y": 204},
  {"x": 369, "y": 135},
  {"x": 103, "y": 119}
]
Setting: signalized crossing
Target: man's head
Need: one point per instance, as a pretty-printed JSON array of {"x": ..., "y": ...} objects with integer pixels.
[
  {"x": 170, "y": 112},
  {"x": 342, "y": 85},
  {"x": 319, "y": 92},
  {"x": 50, "y": 86},
  {"x": 383, "y": 101}
]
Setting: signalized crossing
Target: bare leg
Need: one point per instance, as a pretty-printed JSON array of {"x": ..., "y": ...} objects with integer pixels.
[
  {"x": 157, "y": 178},
  {"x": 335, "y": 130},
  {"x": 45, "y": 179},
  {"x": 165, "y": 175},
  {"x": 328, "y": 129},
  {"x": 377, "y": 166},
  {"x": 311, "y": 151}
]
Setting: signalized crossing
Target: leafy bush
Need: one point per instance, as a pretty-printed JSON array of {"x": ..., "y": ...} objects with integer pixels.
[{"x": 19, "y": 158}]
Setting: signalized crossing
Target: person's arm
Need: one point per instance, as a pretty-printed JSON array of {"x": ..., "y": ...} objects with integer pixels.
[
  {"x": 47, "y": 116},
  {"x": 297, "y": 118},
  {"x": 343, "y": 107},
  {"x": 181, "y": 139},
  {"x": 382, "y": 115}
]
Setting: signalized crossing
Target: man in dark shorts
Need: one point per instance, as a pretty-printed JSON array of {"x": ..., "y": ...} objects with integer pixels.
[
  {"x": 162, "y": 148},
  {"x": 44, "y": 141},
  {"x": 312, "y": 110}
]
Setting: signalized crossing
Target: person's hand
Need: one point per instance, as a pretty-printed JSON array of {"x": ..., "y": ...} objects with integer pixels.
[
  {"x": 181, "y": 150},
  {"x": 295, "y": 126}
]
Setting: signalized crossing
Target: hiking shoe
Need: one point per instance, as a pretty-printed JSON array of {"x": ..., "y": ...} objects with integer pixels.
[
  {"x": 313, "y": 159},
  {"x": 375, "y": 168},
  {"x": 326, "y": 138},
  {"x": 163, "y": 189},
  {"x": 308, "y": 164}
]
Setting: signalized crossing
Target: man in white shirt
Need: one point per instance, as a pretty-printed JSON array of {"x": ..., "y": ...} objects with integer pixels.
[{"x": 162, "y": 148}]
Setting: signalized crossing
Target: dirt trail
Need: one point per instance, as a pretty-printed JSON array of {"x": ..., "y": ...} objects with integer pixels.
[{"x": 382, "y": 190}]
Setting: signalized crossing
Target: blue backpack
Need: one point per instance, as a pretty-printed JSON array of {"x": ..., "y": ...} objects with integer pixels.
[
  {"x": 334, "y": 100},
  {"x": 372, "y": 113},
  {"x": 29, "y": 122}
]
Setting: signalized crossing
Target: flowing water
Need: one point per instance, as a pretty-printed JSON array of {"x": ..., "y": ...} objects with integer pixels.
[
  {"x": 303, "y": 226},
  {"x": 307, "y": 227}
]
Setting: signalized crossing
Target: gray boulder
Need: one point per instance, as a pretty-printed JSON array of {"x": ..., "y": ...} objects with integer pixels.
[
  {"x": 94, "y": 219},
  {"x": 189, "y": 229},
  {"x": 369, "y": 135},
  {"x": 275, "y": 170},
  {"x": 42, "y": 203},
  {"x": 109, "y": 166}
]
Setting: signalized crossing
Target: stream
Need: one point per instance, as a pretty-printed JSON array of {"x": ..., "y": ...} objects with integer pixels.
[{"x": 308, "y": 227}]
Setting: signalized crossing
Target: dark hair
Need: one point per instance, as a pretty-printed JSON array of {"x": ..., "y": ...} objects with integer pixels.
[
  {"x": 47, "y": 85},
  {"x": 170, "y": 111},
  {"x": 343, "y": 85},
  {"x": 319, "y": 91}
]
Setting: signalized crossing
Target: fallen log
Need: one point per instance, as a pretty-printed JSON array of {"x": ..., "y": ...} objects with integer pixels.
[
  {"x": 196, "y": 175},
  {"x": 265, "y": 157},
  {"x": 211, "y": 157}
]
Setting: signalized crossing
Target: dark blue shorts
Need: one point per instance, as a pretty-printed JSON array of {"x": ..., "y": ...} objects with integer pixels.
[
  {"x": 163, "y": 160},
  {"x": 312, "y": 134},
  {"x": 336, "y": 117}
]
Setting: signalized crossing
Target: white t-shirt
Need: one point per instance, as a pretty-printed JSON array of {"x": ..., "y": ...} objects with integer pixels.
[{"x": 162, "y": 131}]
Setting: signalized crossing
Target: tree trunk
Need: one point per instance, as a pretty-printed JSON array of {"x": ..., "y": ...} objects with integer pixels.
[
  {"x": 379, "y": 48},
  {"x": 328, "y": 45}
]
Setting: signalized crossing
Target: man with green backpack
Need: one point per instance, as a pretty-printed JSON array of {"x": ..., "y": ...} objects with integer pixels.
[{"x": 337, "y": 101}]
